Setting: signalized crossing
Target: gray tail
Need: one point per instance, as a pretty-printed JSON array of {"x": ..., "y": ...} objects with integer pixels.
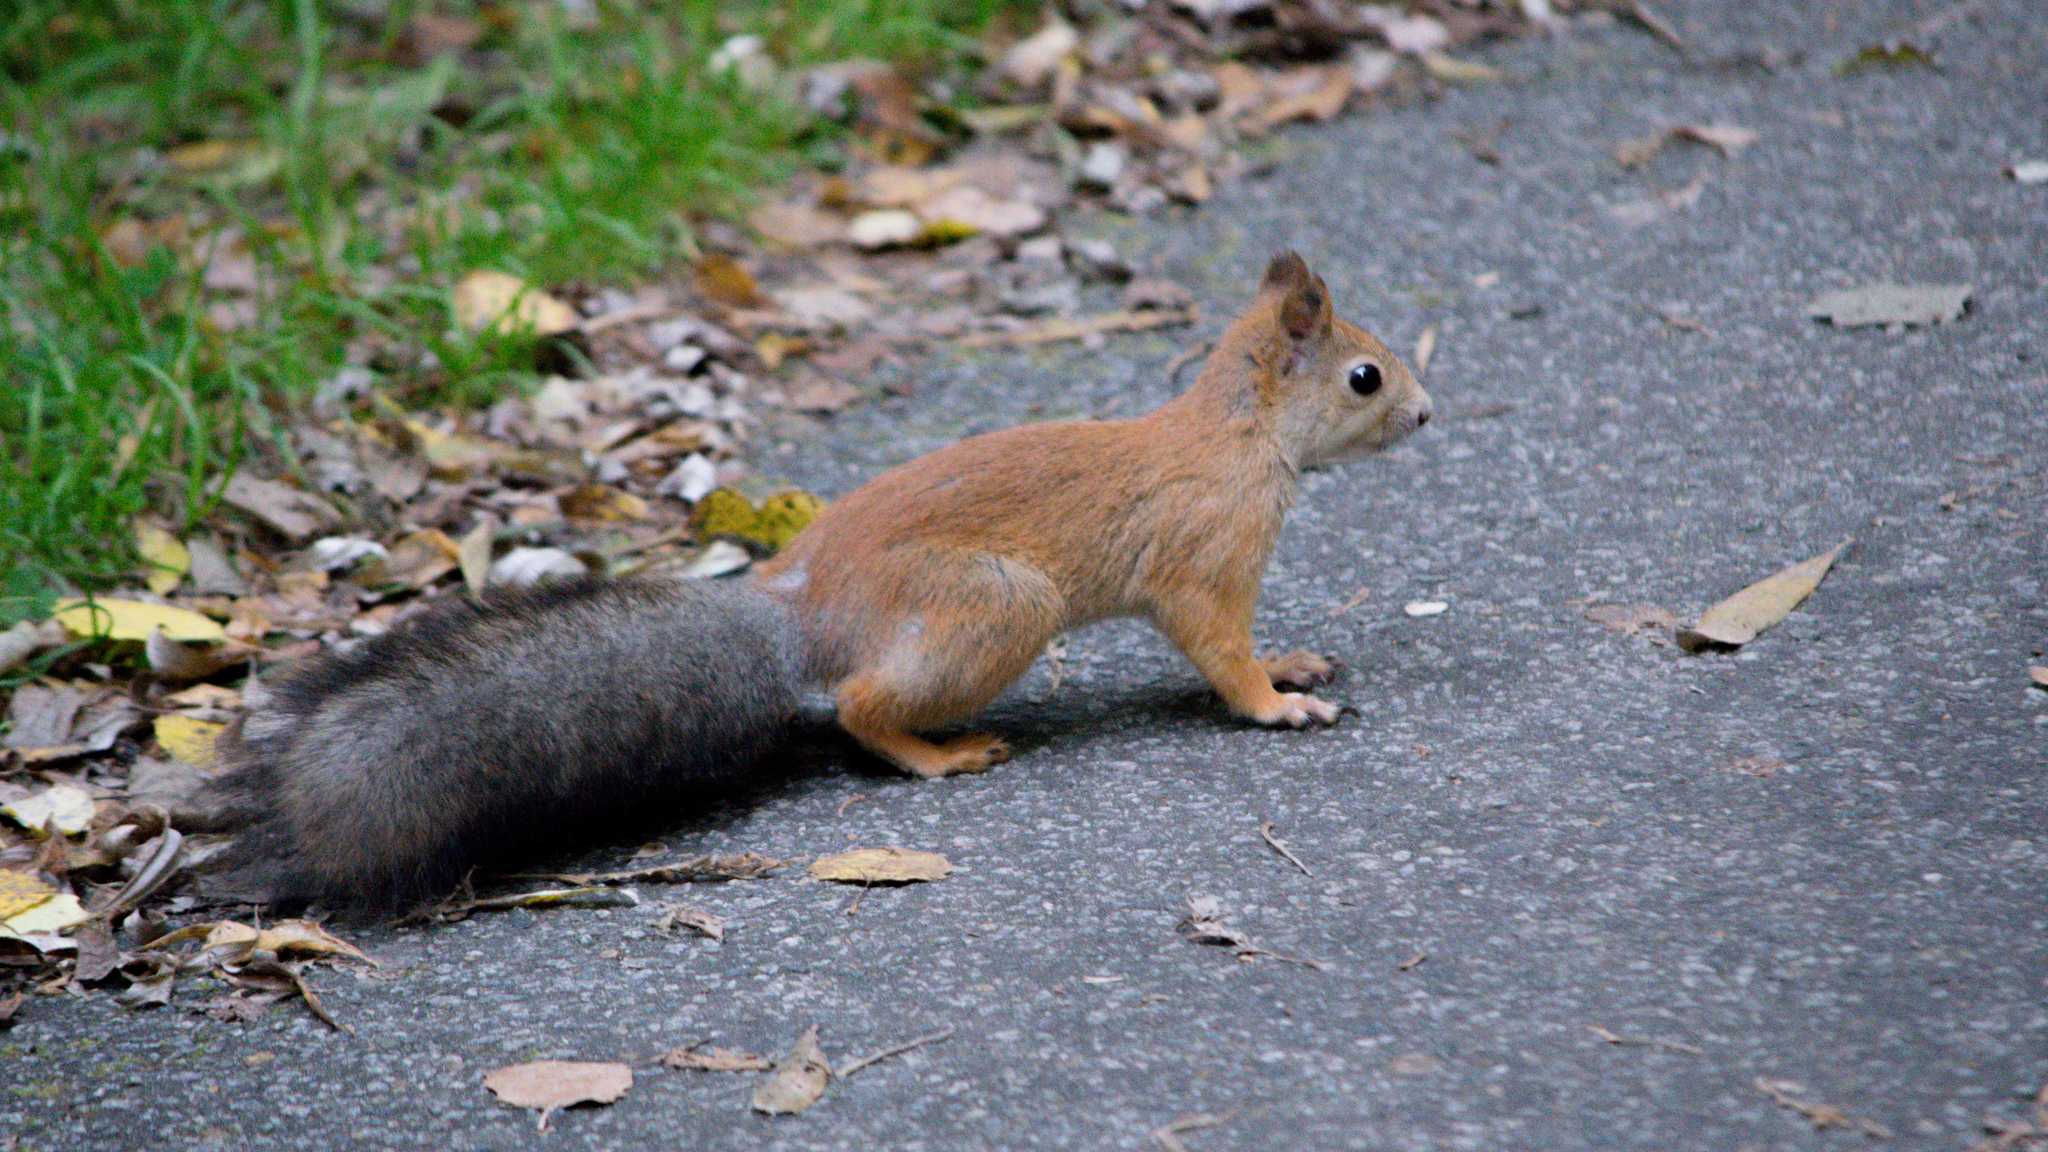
[{"x": 480, "y": 735}]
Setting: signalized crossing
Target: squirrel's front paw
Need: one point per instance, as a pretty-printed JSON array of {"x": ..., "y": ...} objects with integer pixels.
[
  {"x": 1299, "y": 669},
  {"x": 1298, "y": 710}
]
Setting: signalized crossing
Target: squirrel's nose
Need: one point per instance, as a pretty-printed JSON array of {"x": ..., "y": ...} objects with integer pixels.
[{"x": 1422, "y": 418}]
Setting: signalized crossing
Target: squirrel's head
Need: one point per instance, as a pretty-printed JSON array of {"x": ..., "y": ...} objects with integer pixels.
[{"x": 1333, "y": 391}]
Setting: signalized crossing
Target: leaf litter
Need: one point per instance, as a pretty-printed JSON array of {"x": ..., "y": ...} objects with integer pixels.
[
  {"x": 1747, "y": 614},
  {"x": 548, "y": 1086}
]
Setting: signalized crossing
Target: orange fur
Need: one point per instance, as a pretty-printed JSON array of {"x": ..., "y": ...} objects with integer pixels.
[{"x": 927, "y": 591}]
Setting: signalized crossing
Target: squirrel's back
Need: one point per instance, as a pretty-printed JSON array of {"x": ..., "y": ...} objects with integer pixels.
[{"x": 478, "y": 733}]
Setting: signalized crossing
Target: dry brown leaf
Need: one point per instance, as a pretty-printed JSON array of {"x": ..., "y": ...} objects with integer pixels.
[
  {"x": 295, "y": 514},
  {"x": 1315, "y": 94},
  {"x": 495, "y": 301},
  {"x": 1740, "y": 618},
  {"x": 548, "y": 1085},
  {"x": 798, "y": 1081},
  {"x": 695, "y": 920},
  {"x": 2039, "y": 675},
  {"x": 881, "y": 866},
  {"x": 1789, "y": 1093},
  {"x": 1629, "y": 619},
  {"x": 1053, "y": 331},
  {"x": 602, "y": 502},
  {"x": 715, "y": 1060},
  {"x": 725, "y": 280}
]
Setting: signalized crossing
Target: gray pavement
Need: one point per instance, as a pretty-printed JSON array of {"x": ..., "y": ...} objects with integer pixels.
[{"x": 1546, "y": 811}]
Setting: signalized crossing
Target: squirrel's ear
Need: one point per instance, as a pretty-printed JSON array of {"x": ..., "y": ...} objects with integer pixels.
[
  {"x": 1305, "y": 310},
  {"x": 1286, "y": 271}
]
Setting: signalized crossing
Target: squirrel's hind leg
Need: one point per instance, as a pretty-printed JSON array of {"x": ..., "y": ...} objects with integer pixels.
[{"x": 979, "y": 622}]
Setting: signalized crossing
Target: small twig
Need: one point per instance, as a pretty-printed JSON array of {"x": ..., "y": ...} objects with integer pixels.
[
  {"x": 1359, "y": 597},
  {"x": 1186, "y": 358},
  {"x": 849, "y": 802},
  {"x": 1822, "y": 1116},
  {"x": 1412, "y": 963},
  {"x": 1266, "y": 832},
  {"x": 1652, "y": 23},
  {"x": 1643, "y": 1041},
  {"x": 1054, "y": 331},
  {"x": 898, "y": 1050},
  {"x": 1168, "y": 1136}
]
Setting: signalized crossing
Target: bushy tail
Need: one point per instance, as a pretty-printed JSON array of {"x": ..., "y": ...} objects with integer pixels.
[{"x": 474, "y": 735}]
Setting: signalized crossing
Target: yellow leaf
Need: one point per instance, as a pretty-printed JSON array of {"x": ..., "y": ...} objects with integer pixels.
[
  {"x": 52, "y": 915},
  {"x": 506, "y": 304},
  {"x": 21, "y": 891},
  {"x": 602, "y": 502},
  {"x": 1742, "y": 617},
  {"x": 881, "y": 866},
  {"x": 188, "y": 739},
  {"x": 65, "y": 809},
  {"x": 165, "y": 554},
  {"x": 134, "y": 620}
]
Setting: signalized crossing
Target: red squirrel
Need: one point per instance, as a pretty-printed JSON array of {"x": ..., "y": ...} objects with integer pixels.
[{"x": 473, "y": 733}]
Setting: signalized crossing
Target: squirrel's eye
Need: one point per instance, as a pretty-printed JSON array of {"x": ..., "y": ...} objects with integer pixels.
[{"x": 1365, "y": 379}]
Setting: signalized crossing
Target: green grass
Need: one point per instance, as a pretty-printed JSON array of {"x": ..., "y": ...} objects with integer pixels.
[{"x": 365, "y": 181}]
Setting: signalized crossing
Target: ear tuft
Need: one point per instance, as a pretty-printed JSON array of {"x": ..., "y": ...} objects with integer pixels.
[
  {"x": 1287, "y": 270},
  {"x": 1305, "y": 310}
]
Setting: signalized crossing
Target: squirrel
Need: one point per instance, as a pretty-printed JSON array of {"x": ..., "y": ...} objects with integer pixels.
[{"x": 476, "y": 732}]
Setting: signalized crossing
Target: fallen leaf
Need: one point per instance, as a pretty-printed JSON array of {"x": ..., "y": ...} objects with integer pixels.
[
  {"x": 1727, "y": 139},
  {"x": 799, "y": 1079},
  {"x": 21, "y": 891},
  {"x": 187, "y": 739},
  {"x": 696, "y": 920},
  {"x": 134, "y": 620},
  {"x": 166, "y": 555},
  {"x": 1425, "y": 348},
  {"x": 549, "y": 1085},
  {"x": 2039, "y": 676},
  {"x": 1740, "y": 618},
  {"x": 177, "y": 663},
  {"x": 1030, "y": 62},
  {"x": 1888, "y": 55},
  {"x": 715, "y": 1060},
  {"x": 884, "y": 228},
  {"x": 474, "y": 556},
  {"x": 727, "y": 281},
  {"x": 47, "y": 917},
  {"x": 26, "y": 639},
  {"x": 525, "y": 567},
  {"x": 293, "y": 513},
  {"x": 1314, "y": 94},
  {"x": 1054, "y": 331},
  {"x": 881, "y": 866},
  {"x": 602, "y": 502},
  {"x": 1204, "y": 925},
  {"x": 65, "y": 809},
  {"x": 1887, "y": 304},
  {"x": 1452, "y": 70},
  {"x": 229, "y": 938},
  {"x": 40, "y": 716},
  {"x": 497, "y": 302},
  {"x": 1788, "y": 1093},
  {"x": 1629, "y": 619}
]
